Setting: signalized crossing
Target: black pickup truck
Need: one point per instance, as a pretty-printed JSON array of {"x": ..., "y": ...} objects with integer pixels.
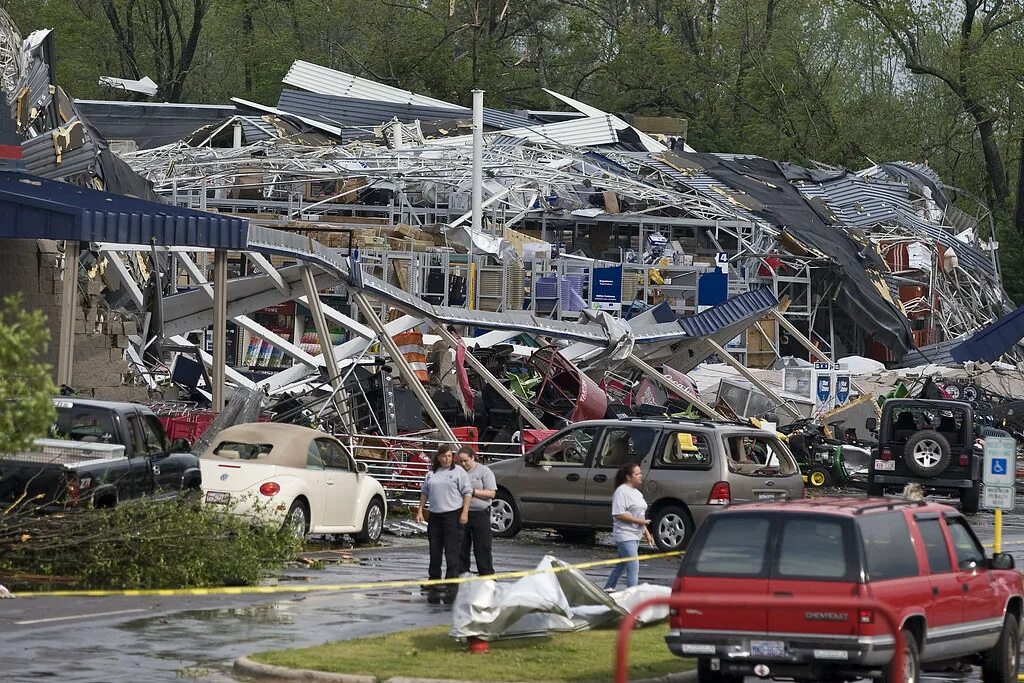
[{"x": 105, "y": 452}]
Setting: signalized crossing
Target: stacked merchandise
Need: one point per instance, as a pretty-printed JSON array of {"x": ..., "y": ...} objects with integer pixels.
[{"x": 310, "y": 341}]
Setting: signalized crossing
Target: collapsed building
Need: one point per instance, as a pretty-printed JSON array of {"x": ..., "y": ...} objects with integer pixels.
[{"x": 606, "y": 251}]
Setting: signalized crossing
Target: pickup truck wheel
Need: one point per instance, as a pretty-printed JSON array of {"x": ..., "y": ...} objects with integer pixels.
[
  {"x": 911, "y": 663},
  {"x": 373, "y": 522},
  {"x": 297, "y": 519},
  {"x": 505, "y": 519},
  {"x": 706, "y": 675},
  {"x": 999, "y": 665},
  {"x": 927, "y": 453},
  {"x": 671, "y": 528}
]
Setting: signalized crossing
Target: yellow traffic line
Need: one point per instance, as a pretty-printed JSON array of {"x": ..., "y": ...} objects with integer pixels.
[{"x": 335, "y": 587}]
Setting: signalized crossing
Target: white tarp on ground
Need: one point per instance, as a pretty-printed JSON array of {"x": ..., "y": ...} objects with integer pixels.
[{"x": 543, "y": 603}]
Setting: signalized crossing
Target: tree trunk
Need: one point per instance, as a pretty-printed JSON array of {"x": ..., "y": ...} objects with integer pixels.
[
  {"x": 1018, "y": 218},
  {"x": 994, "y": 168}
]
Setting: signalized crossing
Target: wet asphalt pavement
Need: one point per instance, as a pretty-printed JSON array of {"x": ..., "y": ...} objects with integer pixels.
[{"x": 132, "y": 639}]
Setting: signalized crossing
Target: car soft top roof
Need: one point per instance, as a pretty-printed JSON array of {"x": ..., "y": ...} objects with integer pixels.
[{"x": 289, "y": 442}]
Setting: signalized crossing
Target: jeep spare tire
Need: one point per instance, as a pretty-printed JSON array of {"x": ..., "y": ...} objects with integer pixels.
[{"x": 926, "y": 453}]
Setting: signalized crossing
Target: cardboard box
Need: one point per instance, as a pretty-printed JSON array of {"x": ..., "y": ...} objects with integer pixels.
[
  {"x": 347, "y": 188},
  {"x": 408, "y": 231}
]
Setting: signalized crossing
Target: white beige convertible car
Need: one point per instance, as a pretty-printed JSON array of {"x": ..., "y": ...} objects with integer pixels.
[{"x": 302, "y": 477}]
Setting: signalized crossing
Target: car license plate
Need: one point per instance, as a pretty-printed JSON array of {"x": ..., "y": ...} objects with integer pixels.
[
  {"x": 767, "y": 648},
  {"x": 769, "y": 495},
  {"x": 885, "y": 465},
  {"x": 218, "y": 497}
]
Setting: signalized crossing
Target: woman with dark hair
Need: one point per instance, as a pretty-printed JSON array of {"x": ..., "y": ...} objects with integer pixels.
[
  {"x": 447, "y": 491},
  {"x": 629, "y": 524}
]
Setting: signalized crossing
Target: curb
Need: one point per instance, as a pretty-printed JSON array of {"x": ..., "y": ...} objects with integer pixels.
[{"x": 249, "y": 667}]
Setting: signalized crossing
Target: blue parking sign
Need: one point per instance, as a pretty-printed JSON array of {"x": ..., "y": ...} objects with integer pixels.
[{"x": 999, "y": 466}]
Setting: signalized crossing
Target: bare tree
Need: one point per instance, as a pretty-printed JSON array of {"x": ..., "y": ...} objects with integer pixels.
[
  {"x": 161, "y": 35},
  {"x": 958, "y": 63}
]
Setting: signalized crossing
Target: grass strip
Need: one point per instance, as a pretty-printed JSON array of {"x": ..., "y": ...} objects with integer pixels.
[{"x": 583, "y": 657}]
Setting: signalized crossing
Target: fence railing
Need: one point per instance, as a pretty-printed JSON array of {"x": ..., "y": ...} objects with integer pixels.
[{"x": 400, "y": 463}]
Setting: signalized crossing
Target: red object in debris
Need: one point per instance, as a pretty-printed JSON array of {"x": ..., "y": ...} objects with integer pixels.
[
  {"x": 770, "y": 265},
  {"x": 477, "y": 646},
  {"x": 532, "y": 437},
  {"x": 564, "y": 391},
  {"x": 467, "y": 436}
]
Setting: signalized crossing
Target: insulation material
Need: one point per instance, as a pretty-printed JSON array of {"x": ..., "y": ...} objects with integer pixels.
[{"x": 545, "y": 603}]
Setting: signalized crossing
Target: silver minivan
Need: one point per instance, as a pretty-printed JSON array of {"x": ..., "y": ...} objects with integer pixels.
[{"x": 691, "y": 468}]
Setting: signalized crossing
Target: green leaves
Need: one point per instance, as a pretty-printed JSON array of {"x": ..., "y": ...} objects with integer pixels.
[
  {"x": 141, "y": 544},
  {"x": 26, "y": 388}
]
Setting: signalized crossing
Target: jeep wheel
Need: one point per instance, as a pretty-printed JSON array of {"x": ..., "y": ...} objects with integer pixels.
[
  {"x": 970, "y": 499},
  {"x": 818, "y": 478},
  {"x": 999, "y": 665},
  {"x": 672, "y": 528},
  {"x": 505, "y": 519},
  {"x": 926, "y": 453}
]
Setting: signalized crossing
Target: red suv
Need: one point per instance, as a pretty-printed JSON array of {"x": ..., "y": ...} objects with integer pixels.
[{"x": 922, "y": 560}]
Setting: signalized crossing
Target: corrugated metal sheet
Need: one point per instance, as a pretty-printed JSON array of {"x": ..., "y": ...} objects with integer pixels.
[
  {"x": 37, "y": 79},
  {"x": 867, "y": 204},
  {"x": 150, "y": 124},
  {"x": 858, "y": 202},
  {"x": 702, "y": 183},
  {"x": 939, "y": 354},
  {"x": 40, "y": 158},
  {"x": 747, "y": 306},
  {"x": 326, "y": 128},
  {"x": 575, "y": 133},
  {"x": 255, "y": 129},
  {"x": 320, "y": 79},
  {"x": 33, "y": 207},
  {"x": 351, "y": 111},
  {"x": 993, "y": 340}
]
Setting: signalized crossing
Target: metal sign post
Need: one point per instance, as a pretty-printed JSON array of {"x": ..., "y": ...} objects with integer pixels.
[{"x": 999, "y": 473}]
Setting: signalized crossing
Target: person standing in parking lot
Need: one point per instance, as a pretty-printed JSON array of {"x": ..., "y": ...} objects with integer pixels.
[
  {"x": 477, "y": 536},
  {"x": 447, "y": 491},
  {"x": 629, "y": 524}
]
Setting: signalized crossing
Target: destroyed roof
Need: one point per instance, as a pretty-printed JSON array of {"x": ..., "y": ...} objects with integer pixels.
[
  {"x": 321, "y": 79},
  {"x": 350, "y": 111},
  {"x": 150, "y": 124}
]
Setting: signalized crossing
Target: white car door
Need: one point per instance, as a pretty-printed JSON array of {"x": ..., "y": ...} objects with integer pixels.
[
  {"x": 315, "y": 478},
  {"x": 341, "y": 483}
]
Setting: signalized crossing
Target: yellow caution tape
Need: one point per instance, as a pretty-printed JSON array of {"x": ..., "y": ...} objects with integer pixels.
[
  {"x": 333, "y": 587},
  {"x": 340, "y": 587}
]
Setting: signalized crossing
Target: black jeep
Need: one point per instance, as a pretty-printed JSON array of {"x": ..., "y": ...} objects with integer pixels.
[{"x": 931, "y": 443}]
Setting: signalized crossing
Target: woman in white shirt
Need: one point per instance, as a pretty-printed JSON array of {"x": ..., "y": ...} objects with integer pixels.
[{"x": 629, "y": 524}]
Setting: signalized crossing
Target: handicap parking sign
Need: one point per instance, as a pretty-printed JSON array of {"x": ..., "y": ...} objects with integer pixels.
[{"x": 1000, "y": 460}]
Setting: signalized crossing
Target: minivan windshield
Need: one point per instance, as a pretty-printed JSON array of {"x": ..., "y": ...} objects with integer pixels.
[{"x": 754, "y": 455}]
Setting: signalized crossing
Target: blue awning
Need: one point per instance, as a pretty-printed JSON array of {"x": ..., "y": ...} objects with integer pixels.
[
  {"x": 993, "y": 340},
  {"x": 37, "y": 208}
]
